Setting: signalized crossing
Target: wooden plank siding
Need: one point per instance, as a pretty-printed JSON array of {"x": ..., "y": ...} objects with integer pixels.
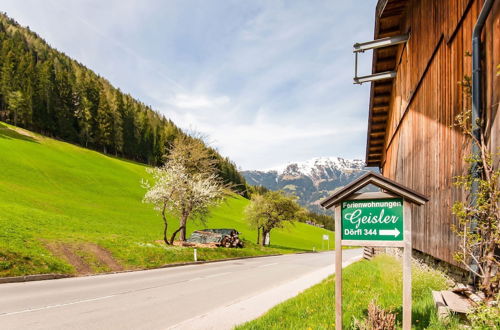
[{"x": 421, "y": 149}]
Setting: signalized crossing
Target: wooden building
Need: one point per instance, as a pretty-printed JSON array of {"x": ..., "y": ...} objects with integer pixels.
[{"x": 411, "y": 137}]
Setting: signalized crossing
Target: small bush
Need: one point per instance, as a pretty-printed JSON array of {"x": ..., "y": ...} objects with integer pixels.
[
  {"x": 378, "y": 319},
  {"x": 485, "y": 316}
]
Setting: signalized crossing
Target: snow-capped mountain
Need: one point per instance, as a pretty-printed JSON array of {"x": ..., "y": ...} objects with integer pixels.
[{"x": 311, "y": 180}]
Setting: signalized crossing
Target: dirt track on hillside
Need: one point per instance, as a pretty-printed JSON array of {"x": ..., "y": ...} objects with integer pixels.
[{"x": 85, "y": 257}]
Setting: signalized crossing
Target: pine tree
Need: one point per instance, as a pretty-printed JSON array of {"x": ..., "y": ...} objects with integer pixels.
[
  {"x": 118, "y": 111},
  {"x": 16, "y": 102},
  {"x": 44, "y": 112},
  {"x": 104, "y": 123},
  {"x": 84, "y": 117}
]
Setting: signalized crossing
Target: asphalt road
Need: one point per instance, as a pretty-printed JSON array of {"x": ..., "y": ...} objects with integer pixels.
[{"x": 159, "y": 298}]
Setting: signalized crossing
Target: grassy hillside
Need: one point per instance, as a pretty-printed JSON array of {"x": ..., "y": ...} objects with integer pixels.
[{"x": 68, "y": 209}]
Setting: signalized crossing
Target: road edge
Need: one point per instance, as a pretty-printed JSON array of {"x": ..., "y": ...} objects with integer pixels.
[{"x": 44, "y": 277}]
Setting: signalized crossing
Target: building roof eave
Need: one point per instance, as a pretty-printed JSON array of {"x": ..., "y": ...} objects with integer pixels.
[{"x": 389, "y": 14}]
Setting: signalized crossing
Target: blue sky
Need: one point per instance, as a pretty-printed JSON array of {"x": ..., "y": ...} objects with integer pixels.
[{"x": 267, "y": 82}]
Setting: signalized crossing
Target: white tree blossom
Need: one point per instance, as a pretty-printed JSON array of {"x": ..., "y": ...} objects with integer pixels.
[{"x": 178, "y": 193}]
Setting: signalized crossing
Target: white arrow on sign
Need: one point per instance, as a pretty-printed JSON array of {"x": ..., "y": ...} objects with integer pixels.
[{"x": 390, "y": 232}]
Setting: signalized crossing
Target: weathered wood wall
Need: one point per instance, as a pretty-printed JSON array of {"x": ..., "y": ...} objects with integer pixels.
[{"x": 421, "y": 149}]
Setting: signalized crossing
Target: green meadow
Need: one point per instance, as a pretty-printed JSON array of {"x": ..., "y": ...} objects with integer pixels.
[{"x": 66, "y": 209}]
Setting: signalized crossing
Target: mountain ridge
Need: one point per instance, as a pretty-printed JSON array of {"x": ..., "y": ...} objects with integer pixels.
[{"x": 310, "y": 180}]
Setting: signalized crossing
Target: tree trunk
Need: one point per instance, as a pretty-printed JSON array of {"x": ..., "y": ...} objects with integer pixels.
[
  {"x": 182, "y": 235},
  {"x": 264, "y": 235},
  {"x": 486, "y": 283},
  {"x": 165, "y": 223},
  {"x": 165, "y": 234},
  {"x": 175, "y": 234}
]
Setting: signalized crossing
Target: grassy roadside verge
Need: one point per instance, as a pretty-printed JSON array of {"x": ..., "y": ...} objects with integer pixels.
[
  {"x": 379, "y": 279},
  {"x": 127, "y": 255}
]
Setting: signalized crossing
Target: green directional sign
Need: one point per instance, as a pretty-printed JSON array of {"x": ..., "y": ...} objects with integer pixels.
[{"x": 373, "y": 220}]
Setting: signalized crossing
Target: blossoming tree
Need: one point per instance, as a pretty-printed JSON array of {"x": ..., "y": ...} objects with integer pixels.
[{"x": 179, "y": 191}]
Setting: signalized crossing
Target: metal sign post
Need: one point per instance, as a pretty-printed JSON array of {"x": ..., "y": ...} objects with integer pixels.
[{"x": 381, "y": 219}]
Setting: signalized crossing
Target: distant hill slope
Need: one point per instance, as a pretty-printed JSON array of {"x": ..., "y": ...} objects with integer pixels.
[
  {"x": 311, "y": 180},
  {"x": 44, "y": 90},
  {"x": 62, "y": 204}
]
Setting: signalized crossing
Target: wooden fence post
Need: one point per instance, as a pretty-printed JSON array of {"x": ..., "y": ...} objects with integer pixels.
[
  {"x": 407, "y": 267},
  {"x": 338, "y": 268}
]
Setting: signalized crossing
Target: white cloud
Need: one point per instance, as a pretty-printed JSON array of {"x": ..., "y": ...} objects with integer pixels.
[{"x": 189, "y": 101}]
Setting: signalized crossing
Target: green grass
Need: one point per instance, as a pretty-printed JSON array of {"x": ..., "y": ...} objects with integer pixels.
[
  {"x": 53, "y": 192},
  {"x": 379, "y": 279}
]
